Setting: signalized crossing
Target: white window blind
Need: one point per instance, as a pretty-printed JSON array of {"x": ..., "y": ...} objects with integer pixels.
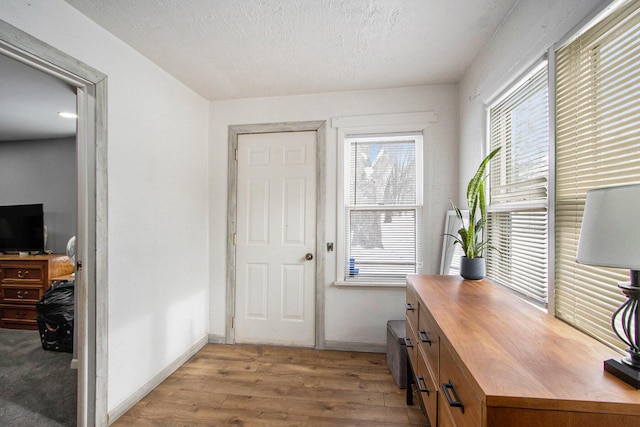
[
  {"x": 383, "y": 208},
  {"x": 517, "y": 219},
  {"x": 598, "y": 144}
]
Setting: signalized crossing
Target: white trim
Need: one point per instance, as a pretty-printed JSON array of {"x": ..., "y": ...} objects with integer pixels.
[
  {"x": 358, "y": 284},
  {"x": 518, "y": 82},
  {"x": 420, "y": 184},
  {"x": 600, "y": 12},
  {"x": 551, "y": 188},
  {"x": 420, "y": 119},
  {"x": 362, "y": 347},
  {"x": 124, "y": 406},
  {"x": 216, "y": 339},
  {"x": 518, "y": 206}
]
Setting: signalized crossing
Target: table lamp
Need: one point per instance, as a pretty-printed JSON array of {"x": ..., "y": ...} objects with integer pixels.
[{"x": 610, "y": 237}]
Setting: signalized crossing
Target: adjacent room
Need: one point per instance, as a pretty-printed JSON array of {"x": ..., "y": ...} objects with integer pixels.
[
  {"x": 261, "y": 187},
  {"x": 39, "y": 189}
]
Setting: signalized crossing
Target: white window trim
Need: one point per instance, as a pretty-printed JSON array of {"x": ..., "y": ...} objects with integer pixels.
[{"x": 366, "y": 125}]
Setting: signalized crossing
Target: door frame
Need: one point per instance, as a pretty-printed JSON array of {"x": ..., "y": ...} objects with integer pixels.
[
  {"x": 91, "y": 238},
  {"x": 319, "y": 127}
]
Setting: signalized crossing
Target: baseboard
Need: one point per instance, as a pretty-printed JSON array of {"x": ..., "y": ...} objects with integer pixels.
[
  {"x": 216, "y": 339},
  {"x": 356, "y": 346},
  {"x": 154, "y": 382},
  {"x": 327, "y": 345}
]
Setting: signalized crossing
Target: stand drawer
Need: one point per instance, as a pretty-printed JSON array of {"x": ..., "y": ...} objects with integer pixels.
[
  {"x": 26, "y": 272},
  {"x": 18, "y": 317},
  {"x": 20, "y": 294}
]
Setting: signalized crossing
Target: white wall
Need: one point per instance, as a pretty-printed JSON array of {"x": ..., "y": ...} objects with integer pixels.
[
  {"x": 531, "y": 29},
  {"x": 157, "y": 196},
  {"x": 43, "y": 171},
  {"x": 352, "y": 315}
]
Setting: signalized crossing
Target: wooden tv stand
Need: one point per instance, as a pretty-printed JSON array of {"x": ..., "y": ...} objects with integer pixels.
[
  {"x": 23, "y": 281},
  {"x": 489, "y": 359}
]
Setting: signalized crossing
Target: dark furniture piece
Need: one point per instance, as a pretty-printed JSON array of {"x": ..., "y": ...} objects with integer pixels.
[{"x": 397, "y": 352}]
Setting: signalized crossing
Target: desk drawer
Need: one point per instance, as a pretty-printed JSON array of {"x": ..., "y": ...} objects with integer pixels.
[
  {"x": 412, "y": 308},
  {"x": 457, "y": 395},
  {"x": 429, "y": 339},
  {"x": 411, "y": 342},
  {"x": 428, "y": 388}
]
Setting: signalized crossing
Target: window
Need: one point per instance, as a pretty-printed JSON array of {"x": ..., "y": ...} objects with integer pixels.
[
  {"x": 517, "y": 219},
  {"x": 597, "y": 145},
  {"x": 382, "y": 207}
]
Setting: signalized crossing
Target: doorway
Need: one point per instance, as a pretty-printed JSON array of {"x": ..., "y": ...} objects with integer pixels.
[
  {"x": 37, "y": 174},
  {"x": 317, "y": 329},
  {"x": 91, "y": 239}
]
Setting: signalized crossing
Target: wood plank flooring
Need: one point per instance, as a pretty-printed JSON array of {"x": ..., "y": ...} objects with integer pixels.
[{"x": 243, "y": 385}]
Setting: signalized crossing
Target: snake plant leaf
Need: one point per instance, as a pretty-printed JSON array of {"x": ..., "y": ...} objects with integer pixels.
[
  {"x": 477, "y": 180},
  {"x": 463, "y": 234},
  {"x": 471, "y": 237}
]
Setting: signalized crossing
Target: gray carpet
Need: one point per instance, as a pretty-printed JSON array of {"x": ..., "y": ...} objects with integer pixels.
[{"x": 37, "y": 387}]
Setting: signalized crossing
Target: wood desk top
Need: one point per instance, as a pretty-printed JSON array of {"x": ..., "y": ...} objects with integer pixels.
[{"x": 513, "y": 350}]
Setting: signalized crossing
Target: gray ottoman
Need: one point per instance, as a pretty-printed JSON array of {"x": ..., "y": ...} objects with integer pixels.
[{"x": 397, "y": 352}]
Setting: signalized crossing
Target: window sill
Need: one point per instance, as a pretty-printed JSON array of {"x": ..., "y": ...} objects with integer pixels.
[{"x": 363, "y": 284}]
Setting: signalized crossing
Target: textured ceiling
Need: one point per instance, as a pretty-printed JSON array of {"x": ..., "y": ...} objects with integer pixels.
[{"x": 228, "y": 49}]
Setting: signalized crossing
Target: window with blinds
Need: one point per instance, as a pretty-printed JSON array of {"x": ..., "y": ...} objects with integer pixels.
[
  {"x": 383, "y": 208},
  {"x": 597, "y": 145},
  {"x": 517, "y": 223}
]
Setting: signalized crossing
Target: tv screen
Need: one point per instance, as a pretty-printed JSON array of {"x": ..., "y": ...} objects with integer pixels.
[{"x": 22, "y": 228}]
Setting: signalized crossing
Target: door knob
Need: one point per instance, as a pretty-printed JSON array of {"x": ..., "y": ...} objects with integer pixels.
[{"x": 308, "y": 256}]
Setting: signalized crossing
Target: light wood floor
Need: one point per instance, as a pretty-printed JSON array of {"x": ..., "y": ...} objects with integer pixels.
[{"x": 239, "y": 385}]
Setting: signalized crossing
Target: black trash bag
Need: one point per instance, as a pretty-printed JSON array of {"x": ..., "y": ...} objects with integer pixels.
[{"x": 55, "y": 312}]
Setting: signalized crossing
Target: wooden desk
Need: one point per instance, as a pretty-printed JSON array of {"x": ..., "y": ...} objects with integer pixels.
[
  {"x": 23, "y": 281},
  {"x": 506, "y": 362}
]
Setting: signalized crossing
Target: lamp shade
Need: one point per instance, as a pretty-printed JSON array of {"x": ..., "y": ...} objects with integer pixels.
[{"x": 610, "y": 234}]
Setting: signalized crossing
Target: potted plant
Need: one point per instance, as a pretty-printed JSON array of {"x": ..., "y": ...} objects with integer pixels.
[{"x": 471, "y": 236}]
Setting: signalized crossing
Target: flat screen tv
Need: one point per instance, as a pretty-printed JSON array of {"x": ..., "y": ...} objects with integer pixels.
[{"x": 22, "y": 228}]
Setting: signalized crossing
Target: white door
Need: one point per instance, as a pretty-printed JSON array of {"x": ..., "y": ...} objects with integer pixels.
[{"x": 276, "y": 224}]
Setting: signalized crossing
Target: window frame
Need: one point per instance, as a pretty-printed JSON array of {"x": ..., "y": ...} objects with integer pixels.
[
  {"x": 417, "y": 208},
  {"x": 532, "y": 206},
  {"x": 587, "y": 313},
  {"x": 416, "y": 122}
]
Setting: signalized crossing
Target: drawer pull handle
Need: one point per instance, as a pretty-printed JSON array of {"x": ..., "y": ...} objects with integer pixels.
[
  {"x": 22, "y": 294},
  {"x": 457, "y": 403},
  {"x": 23, "y": 274},
  {"x": 424, "y": 337},
  {"x": 423, "y": 387},
  {"x": 410, "y": 307},
  {"x": 407, "y": 342}
]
